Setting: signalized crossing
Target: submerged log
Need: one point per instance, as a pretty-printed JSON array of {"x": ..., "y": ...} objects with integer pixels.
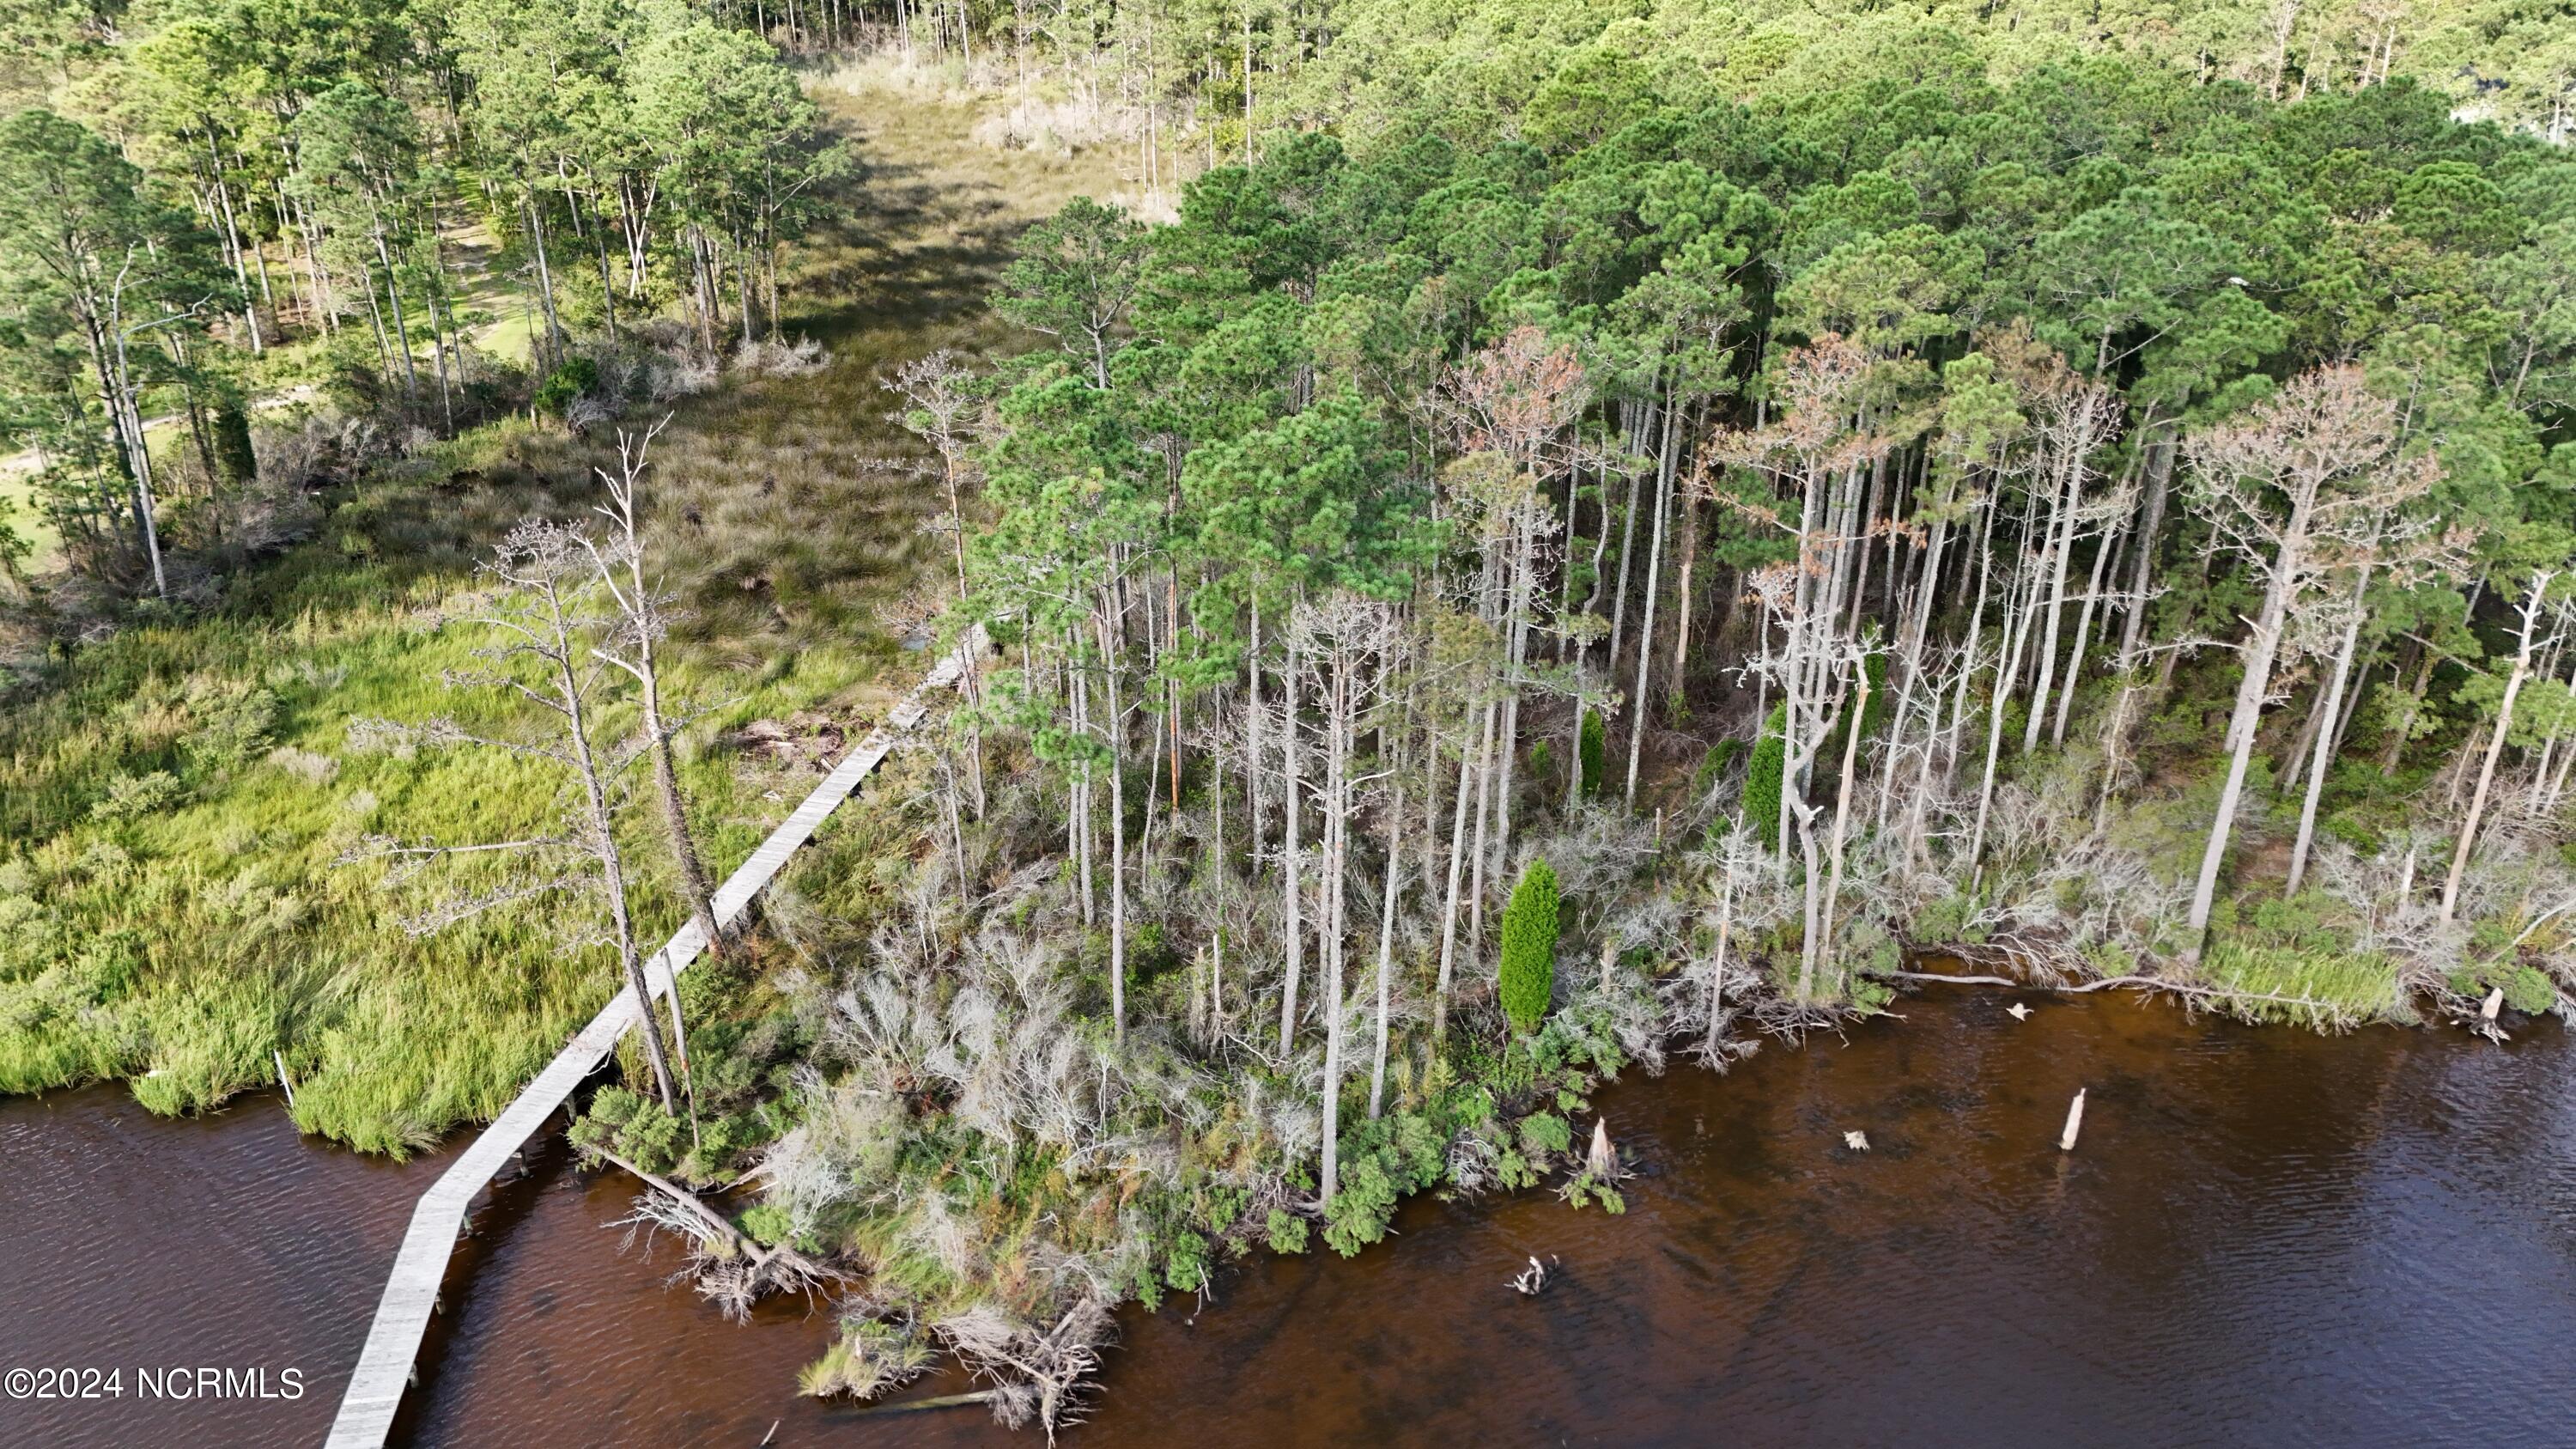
[
  {"x": 2074, "y": 1122},
  {"x": 2141, "y": 983},
  {"x": 942, "y": 1401}
]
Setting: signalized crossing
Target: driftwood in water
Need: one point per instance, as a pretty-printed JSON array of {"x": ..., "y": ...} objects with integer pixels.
[
  {"x": 943, "y": 1401},
  {"x": 741, "y": 1271},
  {"x": 2142, "y": 983},
  {"x": 2074, "y": 1122},
  {"x": 710, "y": 1223}
]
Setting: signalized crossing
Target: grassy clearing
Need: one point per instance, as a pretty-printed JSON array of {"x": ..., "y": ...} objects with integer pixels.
[
  {"x": 174, "y": 799},
  {"x": 489, "y": 292},
  {"x": 19, "y": 514}
]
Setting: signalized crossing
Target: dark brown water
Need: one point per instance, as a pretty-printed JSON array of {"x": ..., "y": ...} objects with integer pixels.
[
  {"x": 2264, "y": 1238},
  {"x": 136, "y": 1244}
]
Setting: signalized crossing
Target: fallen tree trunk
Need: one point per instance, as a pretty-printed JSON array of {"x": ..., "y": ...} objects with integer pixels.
[
  {"x": 718, "y": 1226},
  {"x": 2143, "y": 983},
  {"x": 943, "y": 1401}
]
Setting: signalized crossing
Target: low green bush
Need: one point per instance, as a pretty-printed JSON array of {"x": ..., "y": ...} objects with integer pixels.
[
  {"x": 570, "y": 379},
  {"x": 1286, "y": 1232},
  {"x": 1383, "y": 1162}
]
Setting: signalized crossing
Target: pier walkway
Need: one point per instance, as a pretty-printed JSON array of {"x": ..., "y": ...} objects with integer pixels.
[{"x": 384, "y": 1368}]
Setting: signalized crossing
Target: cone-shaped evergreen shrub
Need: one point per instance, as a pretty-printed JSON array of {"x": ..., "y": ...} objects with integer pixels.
[
  {"x": 1529, "y": 947},
  {"x": 1762, "y": 777},
  {"x": 1596, "y": 752},
  {"x": 1872, "y": 715}
]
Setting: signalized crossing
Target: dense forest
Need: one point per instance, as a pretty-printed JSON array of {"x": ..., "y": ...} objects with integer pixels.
[
  {"x": 1516, "y": 542},
  {"x": 245, "y": 179},
  {"x": 1621, "y": 565}
]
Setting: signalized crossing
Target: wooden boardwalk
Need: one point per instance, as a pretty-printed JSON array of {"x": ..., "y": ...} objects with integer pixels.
[{"x": 411, "y": 1292}]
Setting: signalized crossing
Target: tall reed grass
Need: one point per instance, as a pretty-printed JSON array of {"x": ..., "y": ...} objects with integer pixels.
[{"x": 2329, "y": 990}]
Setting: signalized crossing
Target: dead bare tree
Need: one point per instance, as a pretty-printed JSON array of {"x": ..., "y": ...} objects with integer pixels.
[
  {"x": 1514, "y": 404},
  {"x": 2072, "y": 418},
  {"x": 644, "y": 623},
  {"x": 2542, "y": 617},
  {"x": 1733, "y": 869},
  {"x": 2286, "y": 488},
  {"x": 1348, "y": 642},
  {"x": 2398, "y": 547},
  {"x": 1821, "y": 445},
  {"x": 546, "y": 617},
  {"x": 943, "y": 410}
]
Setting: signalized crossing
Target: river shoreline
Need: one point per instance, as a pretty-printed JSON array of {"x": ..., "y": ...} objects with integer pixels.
[{"x": 2220, "y": 1163}]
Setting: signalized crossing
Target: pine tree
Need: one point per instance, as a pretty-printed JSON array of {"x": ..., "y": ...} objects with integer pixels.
[{"x": 1528, "y": 978}]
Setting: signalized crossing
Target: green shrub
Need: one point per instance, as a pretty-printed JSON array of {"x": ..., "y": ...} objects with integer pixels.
[
  {"x": 1585, "y": 1190},
  {"x": 1543, "y": 1133},
  {"x": 232, "y": 724},
  {"x": 1528, "y": 977},
  {"x": 1287, "y": 1232},
  {"x": 1384, "y": 1161},
  {"x": 767, "y": 1224},
  {"x": 1762, "y": 777},
  {"x": 1872, "y": 716},
  {"x": 1186, "y": 1264},
  {"x": 131, "y": 796},
  {"x": 1594, "y": 748},
  {"x": 570, "y": 379},
  {"x": 1946, "y": 922},
  {"x": 634, "y": 1127},
  {"x": 2529, "y": 992},
  {"x": 1714, "y": 764},
  {"x": 1150, "y": 956},
  {"x": 2302, "y": 923}
]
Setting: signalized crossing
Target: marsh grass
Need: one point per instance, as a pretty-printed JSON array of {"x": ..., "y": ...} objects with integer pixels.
[
  {"x": 176, "y": 799},
  {"x": 2327, "y": 989}
]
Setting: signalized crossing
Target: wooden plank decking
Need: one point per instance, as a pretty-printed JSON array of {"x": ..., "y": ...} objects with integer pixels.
[{"x": 411, "y": 1292}]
